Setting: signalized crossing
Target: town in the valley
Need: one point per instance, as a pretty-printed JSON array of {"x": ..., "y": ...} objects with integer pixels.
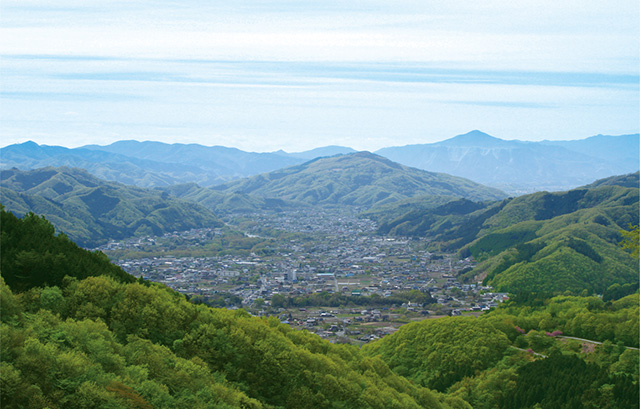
[{"x": 329, "y": 274}]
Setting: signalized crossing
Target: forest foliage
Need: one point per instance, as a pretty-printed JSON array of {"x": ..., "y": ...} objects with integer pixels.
[{"x": 542, "y": 242}]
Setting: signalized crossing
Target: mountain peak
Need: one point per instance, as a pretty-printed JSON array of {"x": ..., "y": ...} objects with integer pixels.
[
  {"x": 473, "y": 138},
  {"x": 326, "y": 151},
  {"x": 25, "y": 146},
  {"x": 360, "y": 179}
]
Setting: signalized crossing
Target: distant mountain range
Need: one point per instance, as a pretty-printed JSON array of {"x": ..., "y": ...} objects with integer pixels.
[
  {"x": 523, "y": 167},
  {"x": 91, "y": 210},
  {"x": 515, "y": 167},
  {"x": 148, "y": 164}
]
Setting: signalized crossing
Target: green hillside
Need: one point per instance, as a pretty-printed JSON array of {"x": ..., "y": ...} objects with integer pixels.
[
  {"x": 563, "y": 248},
  {"x": 361, "y": 179},
  {"x": 550, "y": 242},
  {"x": 84, "y": 342},
  {"x": 226, "y": 203},
  {"x": 517, "y": 356},
  {"x": 439, "y": 353},
  {"x": 91, "y": 211},
  {"x": 32, "y": 255},
  {"x": 630, "y": 180}
]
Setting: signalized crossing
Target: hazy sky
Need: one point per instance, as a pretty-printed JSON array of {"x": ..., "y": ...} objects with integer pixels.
[{"x": 294, "y": 75}]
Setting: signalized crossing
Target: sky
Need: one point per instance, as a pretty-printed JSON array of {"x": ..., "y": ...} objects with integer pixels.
[{"x": 296, "y": 75}]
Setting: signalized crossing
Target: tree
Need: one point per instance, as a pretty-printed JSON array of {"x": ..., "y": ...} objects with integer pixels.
[
  {"x": 631, "y": 240},
  {"x": 258, "y": 303},
  {"x": 277, "y": 301}
]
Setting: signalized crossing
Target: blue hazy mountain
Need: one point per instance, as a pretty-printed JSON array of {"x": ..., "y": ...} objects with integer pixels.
[
  {"x": 520, "y": 167},
  {"x": 148, "y": 164},
  {"x": 319, "y": 152},
  {"x": 513, "y": 166}
]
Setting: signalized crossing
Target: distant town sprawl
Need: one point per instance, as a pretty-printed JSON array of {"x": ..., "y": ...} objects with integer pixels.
[{"x": 336, "y": 278}]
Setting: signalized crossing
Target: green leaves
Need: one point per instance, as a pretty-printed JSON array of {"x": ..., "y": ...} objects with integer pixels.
[
  {"x": 101, "y": 342},
  {"x": 32, "y": 255},
  {"x": 439, "y": 353},
  {"x": 631, "y": 240}
]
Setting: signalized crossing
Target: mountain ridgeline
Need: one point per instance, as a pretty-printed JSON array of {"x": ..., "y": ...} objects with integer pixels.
[
  {"x": 547, "y": 242},
  {"x": 514, "y": 166},
  {"x": 79, "y": 332},
  {"x": 148, "y": 164},
  {"x": 523, "y": 167},
  {"x": 91, "y": 211}
]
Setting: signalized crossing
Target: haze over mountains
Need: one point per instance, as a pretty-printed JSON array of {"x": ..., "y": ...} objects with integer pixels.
[
  {"x": 148, "y": 164},
  {"x": 147, "y": 346},
  {"x": 515, "y": 167},
  {"x": 521, "y": 167}
]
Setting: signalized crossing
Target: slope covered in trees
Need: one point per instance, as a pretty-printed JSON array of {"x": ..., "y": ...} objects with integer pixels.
[
  {"x": 629, "y": 180},
  {"x": 545, "y": 242},
  {"x": 82, "y": 333},
  {"x": 362, "y": 179},
  {"x": 91, "y": 211},
  {"x": 517, "y": 356},
  {"x": 33, "y": 256},
  {"x": 439, "y": 353},
  {"x": 226, "y": 203}
]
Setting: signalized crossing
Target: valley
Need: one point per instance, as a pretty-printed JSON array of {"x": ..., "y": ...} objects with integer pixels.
[{"x": 333, "y": 276}]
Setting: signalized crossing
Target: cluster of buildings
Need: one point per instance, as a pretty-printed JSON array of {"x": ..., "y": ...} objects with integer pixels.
[{"x": 342, "y": 257}]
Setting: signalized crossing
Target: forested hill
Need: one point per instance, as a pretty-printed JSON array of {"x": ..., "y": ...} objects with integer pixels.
[
  {"x": 483, "y": 360},
  {"x": 549, "y": 242},
  {"x": 91, "y": 210},
  {"x": 228, "y": 202},
  {"x": 97, "y": 342},
  {"x": 34, "y": 256},
  {"x": 360, "y": 178},
  {"x": 630, "y": 180}
]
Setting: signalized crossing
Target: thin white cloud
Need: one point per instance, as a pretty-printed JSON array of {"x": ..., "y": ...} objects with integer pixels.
[
  {"x": 460, "y": 65},
  {"x": 567, "y": 35}
]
